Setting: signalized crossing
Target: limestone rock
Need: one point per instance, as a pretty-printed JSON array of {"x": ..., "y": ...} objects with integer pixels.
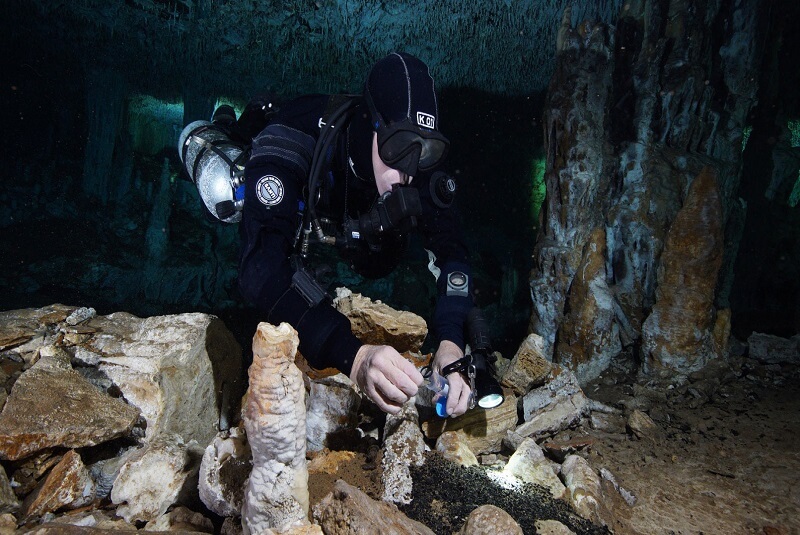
[
  {"x": 559, "y": 449},
  {"x": 589, "y": 335},
  {"x": 771, "y": 349},
  {"x": 483, "y": 429},
  {"x": 627, "y": 495},
  {"x": 51, "y": 405},
  {"x": 454, "y": 447},
  {"x": 553, "y": 407},
  {"x": 490, "y": 520},
  {"x": 95, "y": 521},
  {"x": 105, "y": 472},
  {"x": 528, "y": 368},
  {"x": 585, "y": 489},
  {"x": 311, "y": 529},
  {"x": 376, "y": 323},
  {"x": 552, "y": 527},
  {"x": 68, "y": 485},
  {"x": 641, "y": 425},
  {"x": 404, "y": 447},
  {"x": 181, "y": 519},
  {"x": 328, "y": 462},
  {"x": 8, "y": 500},
  {"x": 30, "y": 471},
  {"x": 8, "y": 524},
  {"x": 348, "y": 511},
  {"x": 578, "y": 179},
  {"x": 678, "y": 335},
  {"x": 18, "y": 327},
  {"x": 174, "y": 368},
  {"x": 276, "y": 496},
  {"x": 224, "y": 471},
  {"x": 529, "y": 464},
  {"x": 154, "y": 477},
  {"x": 333, "y": 405}
]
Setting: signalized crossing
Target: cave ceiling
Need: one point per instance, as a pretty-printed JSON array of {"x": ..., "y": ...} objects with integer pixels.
[{"x": 246, "y": 46}]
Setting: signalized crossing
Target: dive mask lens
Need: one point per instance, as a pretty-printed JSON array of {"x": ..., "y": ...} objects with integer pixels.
[{"x": 396, "y": 143}]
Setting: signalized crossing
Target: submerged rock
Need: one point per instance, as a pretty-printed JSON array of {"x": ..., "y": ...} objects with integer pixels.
[
  {"x": 224, "y": 471},
  {"x": 529, "y": 367},
  {"x": 490, "y": 520},
  {"x": 333, "y": 405},
  {"x": 175, "y": 369},
  {"x": 51, "y": 405},
  {"x": 404, "y": 447},
  {"x": 454, "y": 447},
  {"x": 67, "y": 486},
  {"x": 529, "y": 464},
  {"x": 347, "y": 510},
  {"x": 274, "y": 416},
  {"x": 553, "y": 407},
  {"x": 156, "y": 477},
  {"x": 376, "y": 323}
]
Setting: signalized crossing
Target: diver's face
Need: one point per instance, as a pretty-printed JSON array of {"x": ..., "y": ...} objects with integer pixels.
[{"x": 385, "y": 176}]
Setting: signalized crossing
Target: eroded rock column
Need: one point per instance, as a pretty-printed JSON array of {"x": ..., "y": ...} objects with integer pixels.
[{"x": 275, "y": 419}]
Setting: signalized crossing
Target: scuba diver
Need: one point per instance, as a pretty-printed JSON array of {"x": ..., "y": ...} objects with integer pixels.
[{"x": 359, "y": 172}]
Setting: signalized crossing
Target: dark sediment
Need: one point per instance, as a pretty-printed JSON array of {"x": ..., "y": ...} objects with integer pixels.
[{"x": 446, "y": 493}]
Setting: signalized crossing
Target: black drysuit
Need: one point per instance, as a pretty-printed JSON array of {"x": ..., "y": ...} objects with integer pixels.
[{"x": 276, "y": 180}]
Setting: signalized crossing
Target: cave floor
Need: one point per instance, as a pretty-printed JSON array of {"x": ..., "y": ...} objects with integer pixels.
[{"x": 726, "y": 464}]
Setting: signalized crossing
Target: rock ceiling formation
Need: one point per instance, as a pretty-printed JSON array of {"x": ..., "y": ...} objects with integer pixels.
[{"x": 501, "y": 46}]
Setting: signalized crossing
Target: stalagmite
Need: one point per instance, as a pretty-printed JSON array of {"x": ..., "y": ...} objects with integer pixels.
[{"x": 274, "y": 417}]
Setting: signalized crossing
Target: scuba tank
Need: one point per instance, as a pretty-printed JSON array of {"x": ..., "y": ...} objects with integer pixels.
[
  {"x": 213, "y": 154},
  {"x": 215, "y": 164}
]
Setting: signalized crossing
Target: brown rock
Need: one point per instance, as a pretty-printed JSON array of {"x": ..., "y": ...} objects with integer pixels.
[
  {"x": 68, "y": 485},
  {"x": 8, "y": 524},
  {"x": 722, "y": 331},
  {"x": 454, "y": 448},
  {"x": 52, "y": 405},
  {"x": 490, "y": 520},
  {"x": 328, "y": 462},
  {"x": 552, "y": 527},
  {"x": 528, "y": 368},
  {"x": 589, "y": 335},
  {"x": 347, "y": 511},
  {"x": 376, "y": 323},
  {"x": 559, "y": 449},
  {"x": 8, "y": 500},
  {"x": 30, "y": 470},
  {"x": 678, "y": 335},
  {"x": 641, "y": 425},
  {"x": 483, "y": 429},
  {"x": 585, "y": 489},
  {"x": 181, "y": 519}
]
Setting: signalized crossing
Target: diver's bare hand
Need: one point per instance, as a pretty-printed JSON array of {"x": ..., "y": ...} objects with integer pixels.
[{"x": 385, "y": 377}]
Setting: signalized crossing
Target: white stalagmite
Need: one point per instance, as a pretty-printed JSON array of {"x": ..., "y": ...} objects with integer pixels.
[{"x": 274, "y": 416}]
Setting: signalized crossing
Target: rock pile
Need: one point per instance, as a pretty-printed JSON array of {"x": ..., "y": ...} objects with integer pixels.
[
  {"x": 113, "y": 422},
  {"x": 105, "y": 418}
]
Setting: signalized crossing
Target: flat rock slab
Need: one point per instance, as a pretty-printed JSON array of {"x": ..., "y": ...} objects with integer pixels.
[
  {"x": 51, "y": 405},
  {"x": 376, "y": 323},
  {"x": 348, "y": 510}
]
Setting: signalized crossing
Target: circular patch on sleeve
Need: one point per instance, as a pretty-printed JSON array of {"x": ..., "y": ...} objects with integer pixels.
[{"x": 269, "y": 190}]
